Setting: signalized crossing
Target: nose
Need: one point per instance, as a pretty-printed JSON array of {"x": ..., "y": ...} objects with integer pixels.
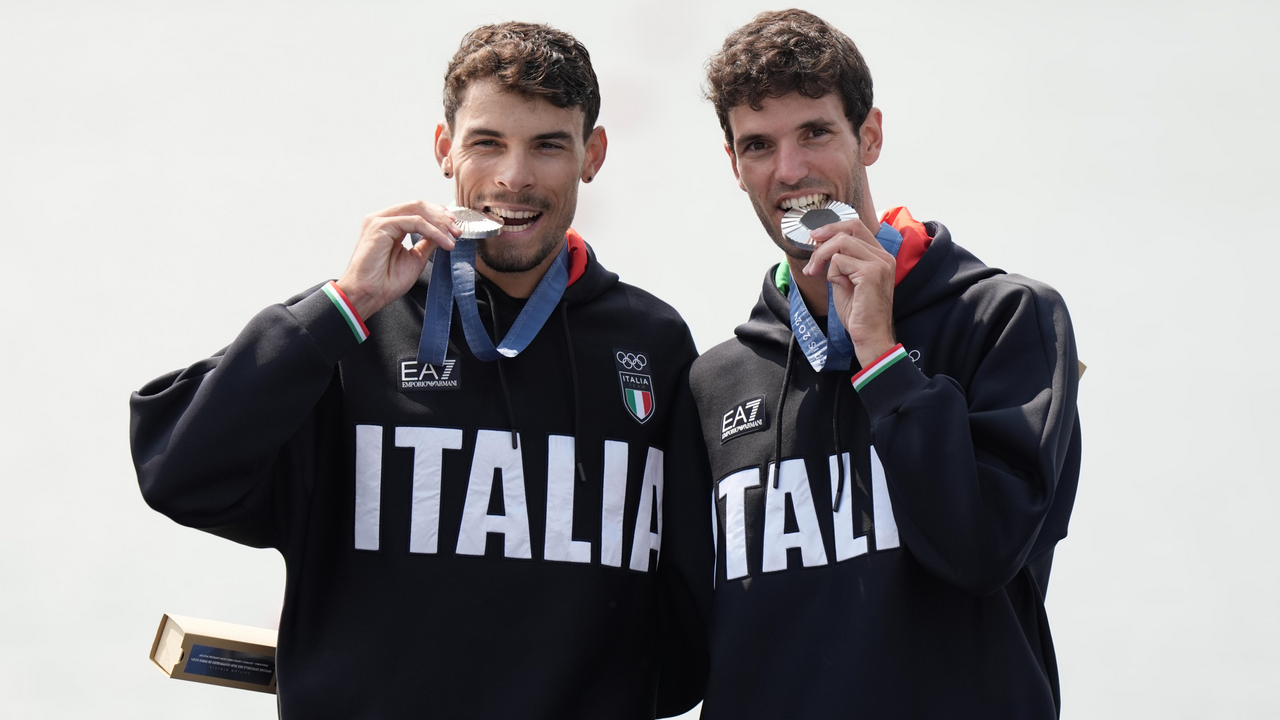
[
  {"x": 792, "y": 165},
  {"x": 515, "y": 174}
]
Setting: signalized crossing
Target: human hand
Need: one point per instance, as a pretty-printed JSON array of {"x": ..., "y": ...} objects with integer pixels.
[
  {"x": 861, "y": 275},
  {"x": 382, "y": 268}
]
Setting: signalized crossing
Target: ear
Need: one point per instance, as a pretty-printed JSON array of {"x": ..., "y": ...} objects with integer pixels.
[
  {"x": 443, "y": 143},
  {"x": 597, "y": 146},
  {"x": 733, "y": 163},
  {"x": 871, "y": 135}
]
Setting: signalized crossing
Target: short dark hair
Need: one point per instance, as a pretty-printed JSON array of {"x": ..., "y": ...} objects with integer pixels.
[
  {"x": 531, "y": 59},
  {"x": 787, "y": 51}
]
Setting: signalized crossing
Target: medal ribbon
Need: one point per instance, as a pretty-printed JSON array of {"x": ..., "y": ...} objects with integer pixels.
[
  {"x": 453, "y": 279},
  {"x": 832, "y": 351}
]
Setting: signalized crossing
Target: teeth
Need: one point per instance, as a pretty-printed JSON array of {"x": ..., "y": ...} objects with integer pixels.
[
  {"x": 513, "y": 214},
  {"x": 515, "y": 228},
  {"x": 804, "y": 201}
]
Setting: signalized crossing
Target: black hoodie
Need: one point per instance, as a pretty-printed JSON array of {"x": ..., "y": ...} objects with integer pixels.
[
  {"x": 923, "y": 595},
  {"x": 432, "y": 569}
]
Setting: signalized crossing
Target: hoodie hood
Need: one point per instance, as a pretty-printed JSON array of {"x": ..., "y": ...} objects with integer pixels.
[
  {"x": 941, "y": 271},
  {"x": 588, "y": 279}
]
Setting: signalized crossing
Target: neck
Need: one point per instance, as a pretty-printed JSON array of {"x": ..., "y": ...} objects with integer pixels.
[
  {"x": 518, "y": 284},
  {"x": 812, "y": 289}
]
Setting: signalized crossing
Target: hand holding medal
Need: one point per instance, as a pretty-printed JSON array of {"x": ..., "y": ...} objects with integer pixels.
[
  {"x": 834, "y": 350},
  {"x": 859, "y": 269}
]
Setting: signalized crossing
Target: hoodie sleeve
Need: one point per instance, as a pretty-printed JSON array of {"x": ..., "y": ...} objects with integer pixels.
[
  {"x": 972, "y": 472},
  {"x": 687, "y": 558},
  {"x": 220, "y": 445}
]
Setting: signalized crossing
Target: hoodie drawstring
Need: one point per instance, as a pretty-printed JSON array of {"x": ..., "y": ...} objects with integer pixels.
[
  {"x": 502, "y": 375},
  {"x": 835, "y": 434},
  {"x": 573, "y": 372},
  {"x": 777, "y": 415}
]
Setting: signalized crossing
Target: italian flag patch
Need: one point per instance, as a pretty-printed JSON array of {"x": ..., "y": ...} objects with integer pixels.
[
  {"x": 868, "y": 373},
  {"x": 639, "y": 402}
]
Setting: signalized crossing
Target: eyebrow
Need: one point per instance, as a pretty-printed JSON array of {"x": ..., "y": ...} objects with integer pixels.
[
  {"x": 490, "y": 132},
  {"x": 813, "y": 124},
  {"x": 557, "y": 135}
]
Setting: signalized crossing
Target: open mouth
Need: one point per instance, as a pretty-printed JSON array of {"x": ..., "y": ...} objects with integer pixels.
[
  {"x": 804, "y": 202},
  {"x": 514, "y": 221}
]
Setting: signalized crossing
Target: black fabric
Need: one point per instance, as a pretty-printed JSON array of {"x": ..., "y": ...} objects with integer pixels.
[
  {"x": 978, "y": 437},
  {"x": 259, "y": 444}
]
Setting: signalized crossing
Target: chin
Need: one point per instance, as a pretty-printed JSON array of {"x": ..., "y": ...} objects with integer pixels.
[{"x": 509, "y": 258}]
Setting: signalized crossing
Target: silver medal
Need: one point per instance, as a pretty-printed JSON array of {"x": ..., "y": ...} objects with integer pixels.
[
  {"x": 475, "y": 225},
  {"x": 798, "y": 224}
]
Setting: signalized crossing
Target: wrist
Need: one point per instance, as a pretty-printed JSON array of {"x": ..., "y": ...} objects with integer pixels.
[
  {"x": 872, "y": 349},
  {"x": 361, "y": 301}
]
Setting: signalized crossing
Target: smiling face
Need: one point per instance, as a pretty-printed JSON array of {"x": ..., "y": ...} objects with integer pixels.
[
  {"x": 797, "y": 151},
  {"x": 518, "y": 159}
]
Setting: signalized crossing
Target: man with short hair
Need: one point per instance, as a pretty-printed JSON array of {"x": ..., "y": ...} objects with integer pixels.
[
  {"x": 471, "y": 477},
  {"x": 893, "y": 433}
]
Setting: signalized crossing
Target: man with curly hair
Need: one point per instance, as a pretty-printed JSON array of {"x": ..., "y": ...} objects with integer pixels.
[
  {"x": 893, "y": 433},
  {"x": 470, "y": 468}
]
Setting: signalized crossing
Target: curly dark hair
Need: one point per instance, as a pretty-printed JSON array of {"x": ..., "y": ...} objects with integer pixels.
[
  {"x": 782, "y": 52},
  {"x": 531, "y": 59}
]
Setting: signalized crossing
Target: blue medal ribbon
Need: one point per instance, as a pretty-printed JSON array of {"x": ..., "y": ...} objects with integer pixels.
[
  {"x": 453, "y": 279},
  {"x": 832, "y": 351}
]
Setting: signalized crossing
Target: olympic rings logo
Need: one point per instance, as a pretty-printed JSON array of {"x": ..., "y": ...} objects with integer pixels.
[{"x": 632, "y": 361}]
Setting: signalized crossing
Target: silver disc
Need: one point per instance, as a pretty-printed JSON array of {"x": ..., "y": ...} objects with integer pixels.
[
  {"x": 475, "y": 225},
  {"x": 798, "y": 224}
]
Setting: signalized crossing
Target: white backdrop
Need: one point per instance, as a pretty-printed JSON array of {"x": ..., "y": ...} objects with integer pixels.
[{"x": 166, "y": 171}]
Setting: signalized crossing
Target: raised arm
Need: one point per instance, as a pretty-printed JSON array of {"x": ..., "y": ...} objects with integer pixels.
[{"x": 211, "y": 441}]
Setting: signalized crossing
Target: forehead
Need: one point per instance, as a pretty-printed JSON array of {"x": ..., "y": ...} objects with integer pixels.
[
  {"x": 785, "y": 114},
  {"x": 487, "y": 105}
]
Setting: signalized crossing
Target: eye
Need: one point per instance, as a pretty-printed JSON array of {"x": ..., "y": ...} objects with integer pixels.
[
  {"x": 754, "y": 146},
  {"x": 819, "y": 132},
  {"x": 548, "y": 145}
]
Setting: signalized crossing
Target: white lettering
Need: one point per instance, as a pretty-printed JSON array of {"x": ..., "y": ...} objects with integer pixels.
[
  {"x": 793, "y": 480},
  {"x": 733, "y": 489},
  {"x": 494, "y": 452},
  {"x": 614, "y": 501},
  {"x": 368, "y": 486},
  {"x": 650, "y": 502},
  {"x": 847, "y": 546},
  {"x": 428, "y": 446},
  {"x": 406, "y": 370},
  {"x": 885, "y": 524},
  {"x": 560, "y": 544}
]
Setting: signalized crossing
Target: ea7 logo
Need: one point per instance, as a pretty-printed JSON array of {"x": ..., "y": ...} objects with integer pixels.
[
  {"x": 421, "y": 376},
  {"x": 745, "y": 418}
]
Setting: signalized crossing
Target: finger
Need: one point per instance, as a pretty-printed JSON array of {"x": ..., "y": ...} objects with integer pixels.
[
  {"x": 437, "y": 214},
  {"x": 842, "y": 244},
  {"x": 851, "y": 227},
  {"x": 843, "y": 266},
  {"x": 396, "y": 228}
]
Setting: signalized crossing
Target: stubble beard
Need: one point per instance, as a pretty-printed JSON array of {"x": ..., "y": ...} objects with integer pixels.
[{"x": 503, "y": 258}]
